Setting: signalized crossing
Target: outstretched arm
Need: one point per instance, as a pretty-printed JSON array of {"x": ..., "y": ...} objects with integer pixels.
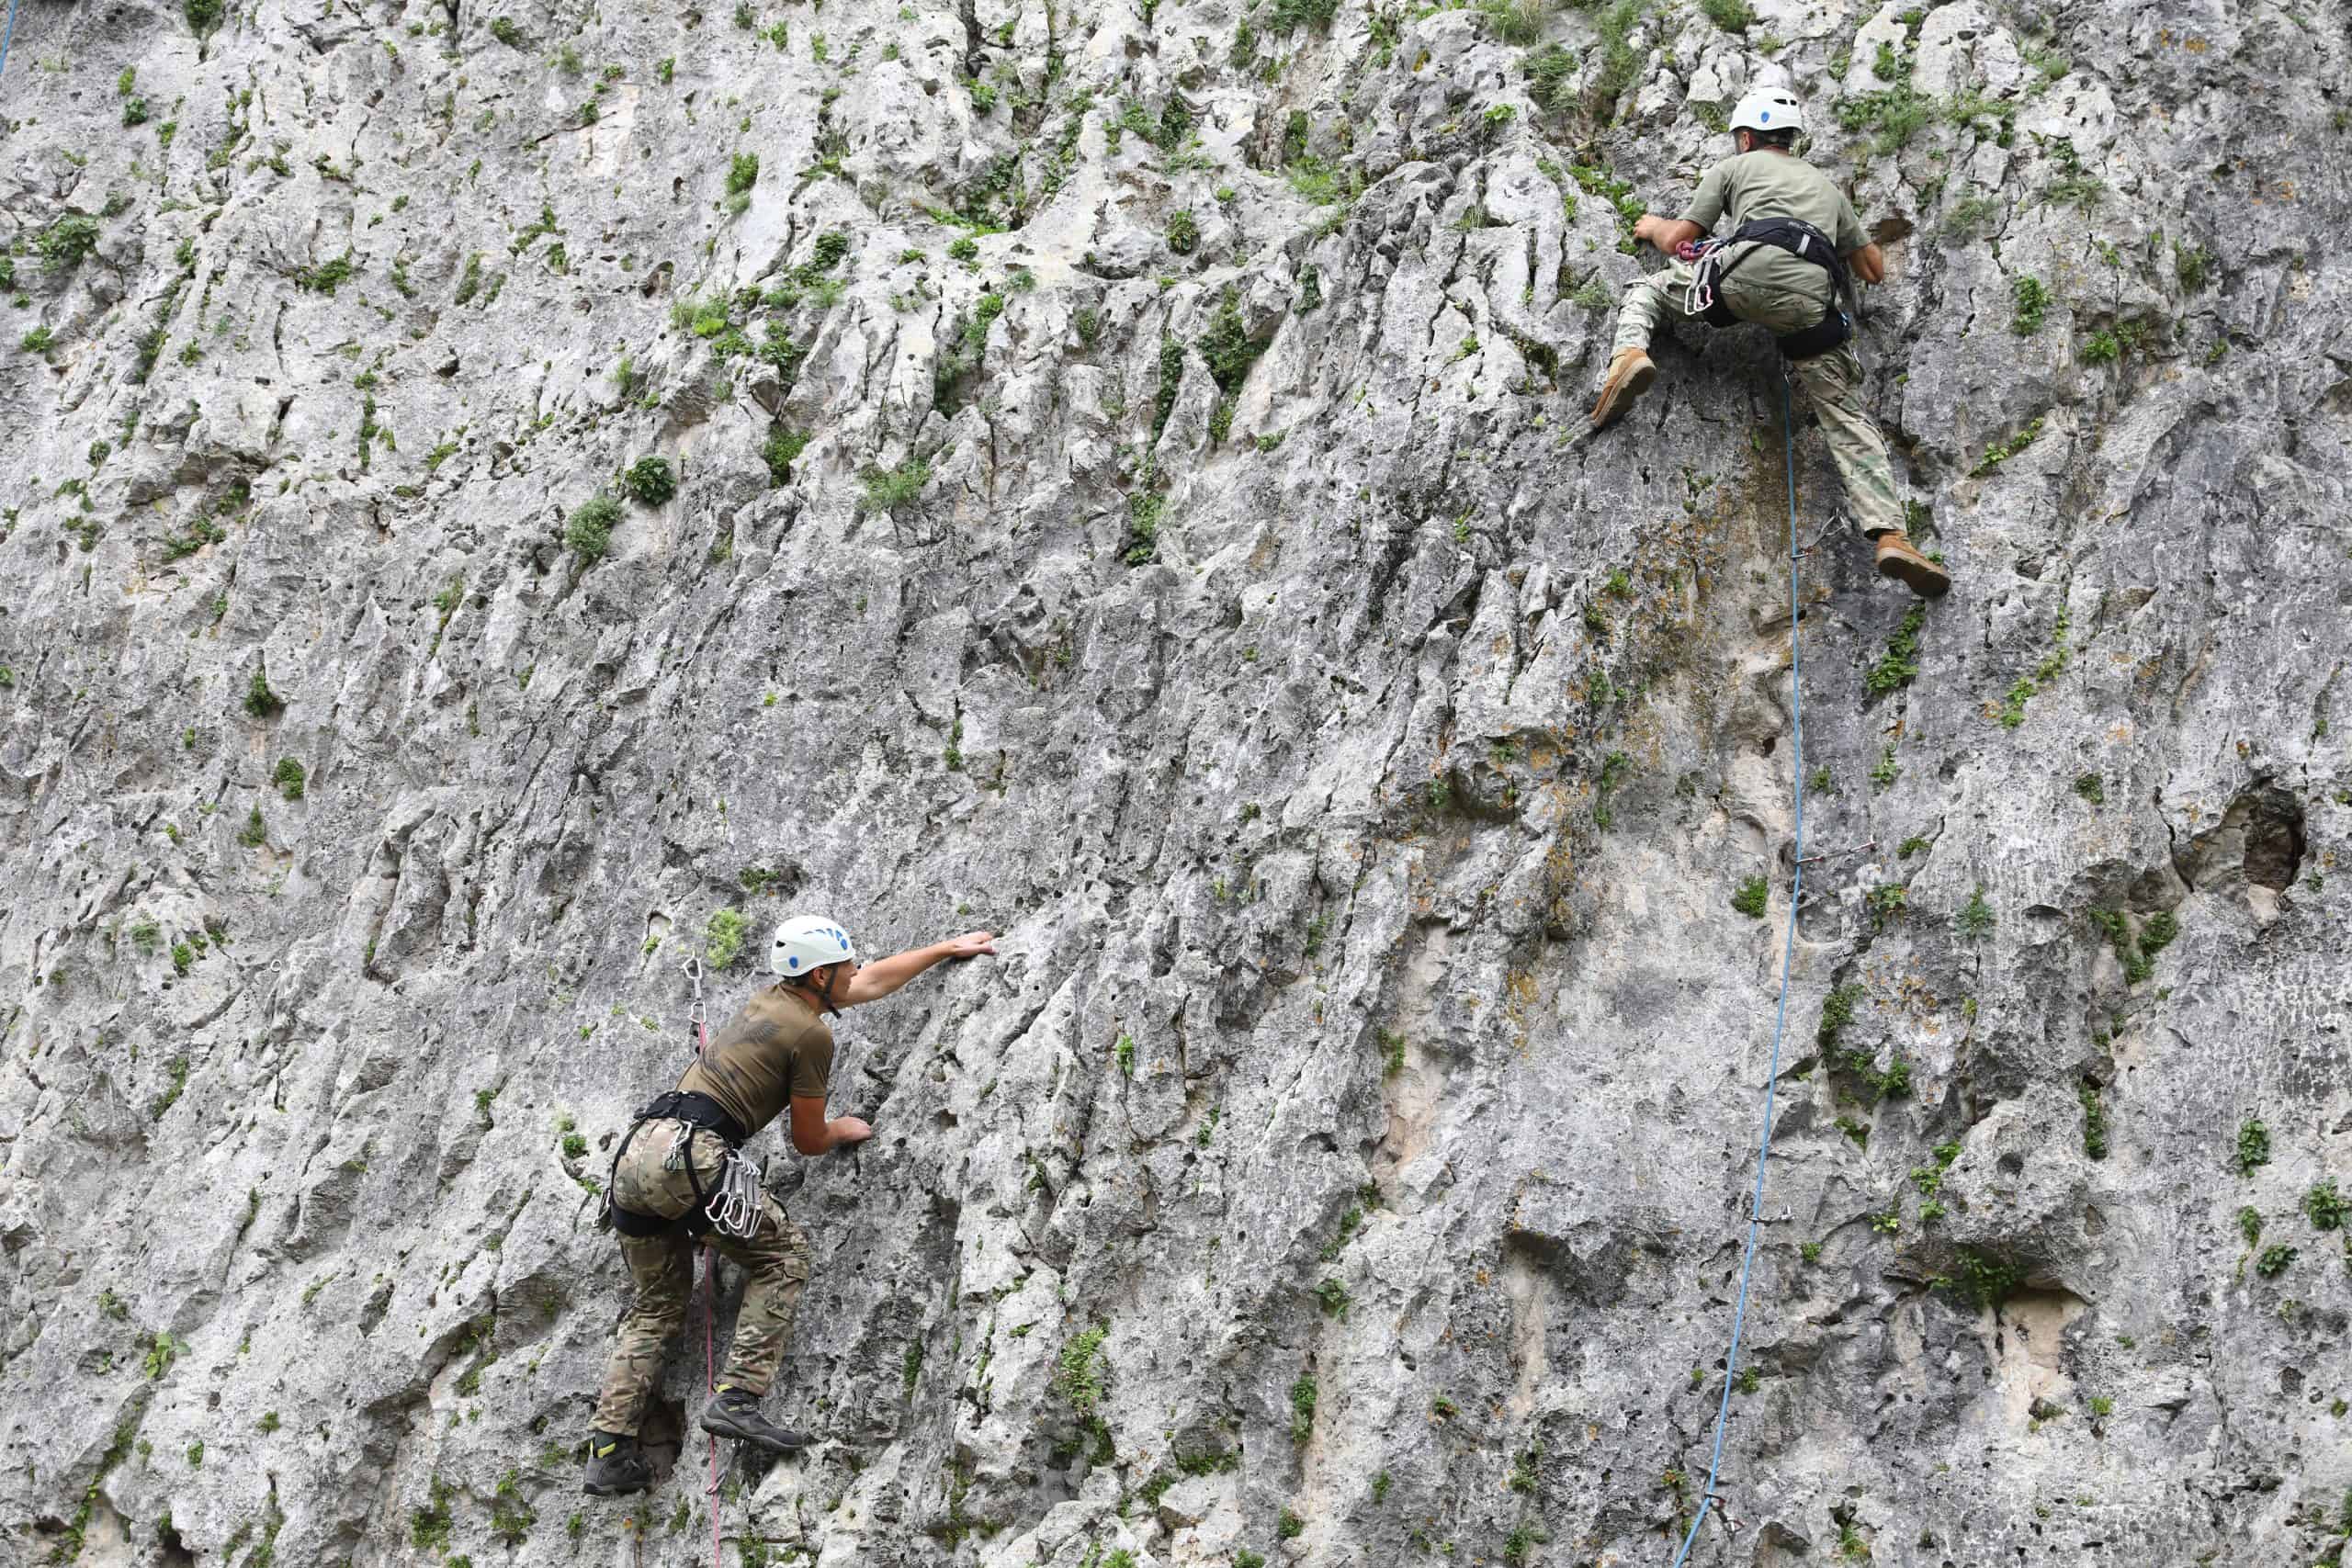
[
  {"x": 883, "y": 975},
  {"x": 1665, "y": 233}
]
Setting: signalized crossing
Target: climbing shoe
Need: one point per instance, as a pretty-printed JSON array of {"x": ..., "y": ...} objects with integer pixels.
[
  {"x": 1630, "y": 374},
  {"x": 1898, "y": 560},
  {"x": 615, "y": 1466},
  {"x": 733, "y": 1413}
]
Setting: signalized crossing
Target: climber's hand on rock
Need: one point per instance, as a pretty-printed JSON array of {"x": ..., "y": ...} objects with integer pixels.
[
  {"x": 972, "y": 944},
  {"x": 848, "y": 1130}
]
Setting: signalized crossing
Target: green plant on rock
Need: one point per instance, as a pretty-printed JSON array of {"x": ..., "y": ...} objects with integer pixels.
[
  {"x": 2250, "y": 1224},
  {"x": 2253, "y": 1145},
  {"x": 2327, "y": 1208},
  {"x": 588, "y": 532},
  {"x": 1183, "y": 232},
  {"x": 1303, "y": 1397},
  {"x": 63, "y": 244},
  {"x": 2032, "y": 304},
  {"x": 649, "y": 482},
  {"x": 260, "y": 701},
  {"x": 1081, "y": 1371},
  {"x": 288, "y": 777},
  {"x": 723, "y": 938},
  {"x": 887, "y": 489},
  {"x": 1836, "y": 1013},
  {"x": 2274, "y": 1260},
  {"x": 1901, "y": 664},
  {"x": 1975, "y": 920},
  {"x": 2094, "y": 1121},
  {"x": 1750, "y": 899},
  {"x": 782, "y": 447}
]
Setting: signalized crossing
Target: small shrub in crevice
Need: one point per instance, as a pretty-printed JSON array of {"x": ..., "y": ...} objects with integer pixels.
[
  {"x": 782, "y": 447},
  {"x": 649, "y": 482},
  {"x": 588, "y": 532},
  {"x": 2253, "y": 1145},
  {"x": 1750, "y": 899}
]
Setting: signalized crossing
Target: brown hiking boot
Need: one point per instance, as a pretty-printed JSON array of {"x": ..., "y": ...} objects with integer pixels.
[
  {"x": 1898, "y": 560},
  {"x": 1630, "y": 374}
]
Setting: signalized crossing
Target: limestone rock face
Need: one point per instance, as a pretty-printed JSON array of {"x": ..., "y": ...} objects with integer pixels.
[{"x": 1132, "y": 494}]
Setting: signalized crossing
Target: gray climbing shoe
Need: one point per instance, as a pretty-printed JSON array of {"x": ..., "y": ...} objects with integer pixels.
[
  {"x": 733, "y": 1413},
  {"x": 617, "y": 1466}
]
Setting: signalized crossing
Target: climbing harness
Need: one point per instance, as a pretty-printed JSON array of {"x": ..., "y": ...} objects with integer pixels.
[
  {"x": 1707, "y": 1498},
  {"x": 699, "y": 1114},
  {"x": 732, "y": 1207},
  {"x": 1711, "y": 265}
]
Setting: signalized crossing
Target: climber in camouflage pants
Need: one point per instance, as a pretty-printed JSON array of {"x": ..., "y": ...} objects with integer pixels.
[
  {"x": 776, "y": 1257},
  {"x": 1795, "y": 237},
  {"x": 678, "y": 1174}
]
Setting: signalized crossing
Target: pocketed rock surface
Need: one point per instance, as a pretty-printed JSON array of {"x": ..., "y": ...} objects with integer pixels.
[{"x": 1131, "y": 494}]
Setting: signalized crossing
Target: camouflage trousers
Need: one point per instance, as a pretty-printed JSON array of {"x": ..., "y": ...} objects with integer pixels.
[
  {"x": 776, "y": 1258},
  {"x": 1832, "y": 380}
]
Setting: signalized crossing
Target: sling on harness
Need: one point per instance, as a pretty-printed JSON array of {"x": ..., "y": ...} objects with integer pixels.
[
  {"x": 732, "y": 1209},
  {"x": 1798, "y": 238}
]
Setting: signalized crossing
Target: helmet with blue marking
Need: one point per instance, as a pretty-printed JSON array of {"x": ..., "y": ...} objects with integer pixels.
[
  {"x": 806, "y": 943},
  {"x": 1767, "y": 109}
]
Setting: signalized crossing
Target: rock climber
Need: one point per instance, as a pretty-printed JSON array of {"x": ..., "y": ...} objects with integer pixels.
[
  {"x": 679, "y": 1174},
  {"x": 1784, "y": 266}
]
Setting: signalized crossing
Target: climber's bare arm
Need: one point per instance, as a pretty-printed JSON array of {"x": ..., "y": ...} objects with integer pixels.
[
  {"x": 1664, "y": 234},
  {"x": 878, "y": 979}
]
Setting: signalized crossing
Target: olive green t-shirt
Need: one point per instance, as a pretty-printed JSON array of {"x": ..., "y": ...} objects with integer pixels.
[
  {"x": 777, "y": 1046},
  {"x": 1765, "y": 183}
]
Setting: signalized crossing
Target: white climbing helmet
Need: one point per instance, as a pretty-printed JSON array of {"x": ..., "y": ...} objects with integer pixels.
[
  {"x": 808, "y": 942},
  {"x": 1767, "y": 109}
]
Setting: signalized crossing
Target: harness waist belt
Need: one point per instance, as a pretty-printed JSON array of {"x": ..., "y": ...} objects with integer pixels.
[
  {"x": 700, "y": 1109},
  {"x": 1801, "y": 240}
]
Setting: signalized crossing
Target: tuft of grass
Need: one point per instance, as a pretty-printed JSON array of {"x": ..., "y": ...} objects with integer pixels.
[
  {"x": 288, "y": 778},
  {"x": 1900, "y": 666},
  {"x": 588, "y": 532},
  {"x": 2032, "y": 304},
  {"x": 1836, "y": 1013},
  {"x": 782, "y": 447},
  {"x": 887, "y": 489},
  {"x": 1081, "y": 1371},
  {"x": 260, "y": 701},
  {"x": 2094, "y": 1121},
  {"x": 723, "y": 938},
  {"x": 1750, "y": 899}
]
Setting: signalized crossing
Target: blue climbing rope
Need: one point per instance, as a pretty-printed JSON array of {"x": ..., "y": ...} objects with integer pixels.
[
  {"x": 8, "y": 37},
  {"x": 1781, "y": 1020}
]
